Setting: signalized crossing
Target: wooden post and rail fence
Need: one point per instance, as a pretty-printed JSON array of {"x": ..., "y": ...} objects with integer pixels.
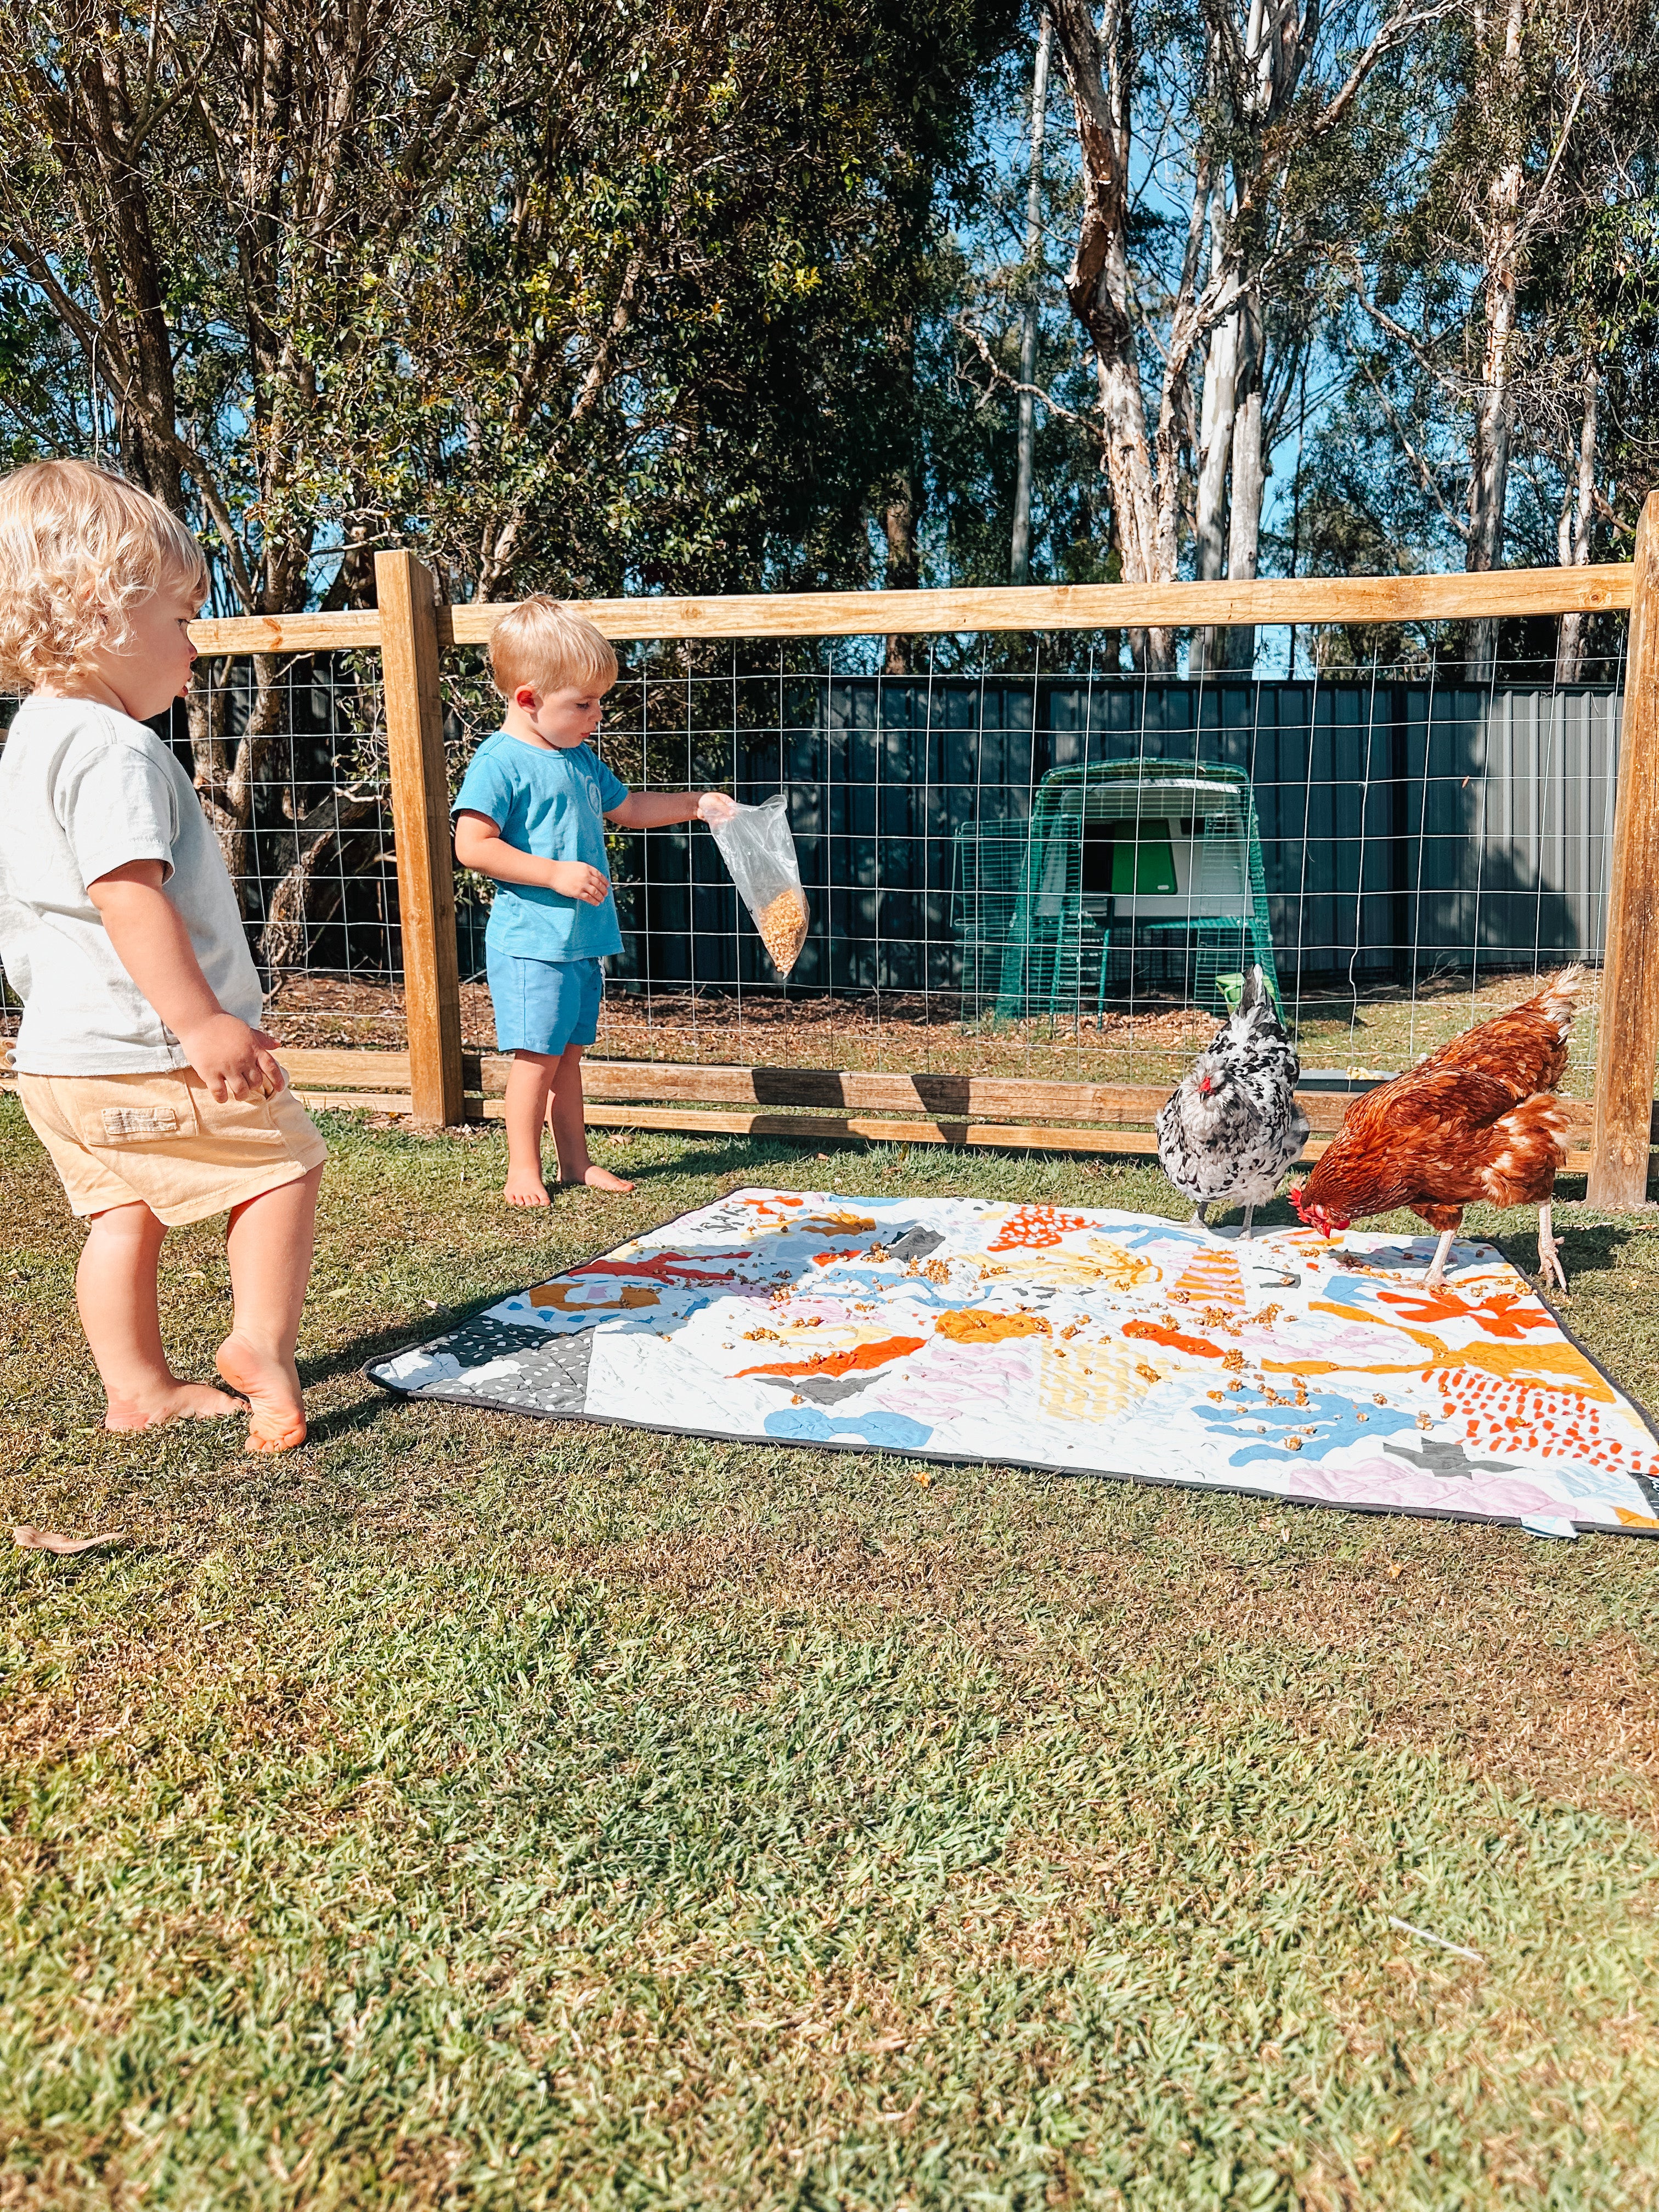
[{"x": 436, "y": 1081}]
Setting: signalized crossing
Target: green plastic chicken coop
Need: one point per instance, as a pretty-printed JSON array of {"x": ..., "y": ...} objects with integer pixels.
[{"x": 1122, "y": 865}]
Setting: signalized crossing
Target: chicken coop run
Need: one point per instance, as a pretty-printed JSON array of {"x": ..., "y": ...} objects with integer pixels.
[
  {"x": 1126, "y": 872},
  {"x": 1016, "y": 823}
]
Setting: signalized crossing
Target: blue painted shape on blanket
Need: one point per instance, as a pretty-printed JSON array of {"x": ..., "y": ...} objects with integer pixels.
[
  {"x": 805, "y": 1424},
  {"x": 1336, "y": 1419}
]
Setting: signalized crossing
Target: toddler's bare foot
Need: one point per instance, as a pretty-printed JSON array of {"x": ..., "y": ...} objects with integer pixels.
[
  {"x": 180, "y": 1401},
  {"x": 271, "y": 1386},
  {"x": 598, "y": 1179},
  {"x": 525, "y": 1186}
]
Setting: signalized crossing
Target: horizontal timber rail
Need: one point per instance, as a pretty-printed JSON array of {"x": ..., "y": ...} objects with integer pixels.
[
  {"x": 958, "y": 1110},
  {"x": 1301, "y": 600}
]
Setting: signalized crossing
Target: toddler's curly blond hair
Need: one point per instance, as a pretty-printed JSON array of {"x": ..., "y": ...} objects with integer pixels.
[
  {"x": 79, "y": 549},
  {"x": 547, "y": 645}
]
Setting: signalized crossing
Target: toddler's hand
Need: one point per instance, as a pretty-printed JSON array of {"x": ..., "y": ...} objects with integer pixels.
[
  {"x": 575, "y": 879},
  {"x": 234, "y": 1060},
  {"x": 715, "y": 806}
]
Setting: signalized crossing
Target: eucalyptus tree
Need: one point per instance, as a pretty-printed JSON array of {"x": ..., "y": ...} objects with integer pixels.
[
  {"x": 1488, "y": 284},
  {"x": 1202, "y": 126}
]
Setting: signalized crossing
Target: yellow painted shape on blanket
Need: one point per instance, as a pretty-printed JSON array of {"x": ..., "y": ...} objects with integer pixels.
[
  {"x": 1098, "y": 1262},
  {"x": 1092, "y": 1382}
]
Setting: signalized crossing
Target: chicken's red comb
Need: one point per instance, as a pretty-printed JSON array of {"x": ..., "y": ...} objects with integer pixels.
[{"x": 1295, "y": 1191}]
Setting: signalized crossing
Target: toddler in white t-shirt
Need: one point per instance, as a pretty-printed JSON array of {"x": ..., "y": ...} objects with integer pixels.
[{"x": 140, "y": 1061}]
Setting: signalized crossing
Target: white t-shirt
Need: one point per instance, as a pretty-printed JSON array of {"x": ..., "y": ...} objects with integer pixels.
[{"x": 83, "y": 790}]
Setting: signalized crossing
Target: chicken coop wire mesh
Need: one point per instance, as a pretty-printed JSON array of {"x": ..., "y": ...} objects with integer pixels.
[
  {"x": 288, "y": 754},
  {"x": 1004, "y": 878},
  {"x": 1043, "y": 865}
]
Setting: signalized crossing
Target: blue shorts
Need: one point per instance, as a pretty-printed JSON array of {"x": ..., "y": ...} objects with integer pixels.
[{"x": 542, "y": 1005}]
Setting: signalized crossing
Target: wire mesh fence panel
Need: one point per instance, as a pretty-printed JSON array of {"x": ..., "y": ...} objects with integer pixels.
[
  {"x": 288, "y": 754},
  {"x": 1004, "y": 875},
  {"x": 1019, "y": 860}
]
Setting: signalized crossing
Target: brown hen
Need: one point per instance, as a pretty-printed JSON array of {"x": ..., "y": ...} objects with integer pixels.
[{"x": 1476, "y": 1120}]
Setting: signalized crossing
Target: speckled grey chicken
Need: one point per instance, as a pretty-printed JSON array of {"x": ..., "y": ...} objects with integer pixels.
[{"x": 1233, "y": 1127}]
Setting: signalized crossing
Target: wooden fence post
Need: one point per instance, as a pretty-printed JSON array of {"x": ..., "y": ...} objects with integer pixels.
[
  {"x": 420, "y": 822},
  {"x": 1628, "y": 1035}
]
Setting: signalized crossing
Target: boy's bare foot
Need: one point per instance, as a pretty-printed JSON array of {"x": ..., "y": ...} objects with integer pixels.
[
  {"x": 600, "y": 1179},
  {"x": 525, "y": 1186},
  {"x": 271, "y": 1388},
  {"x": 184, "y": 1402}
]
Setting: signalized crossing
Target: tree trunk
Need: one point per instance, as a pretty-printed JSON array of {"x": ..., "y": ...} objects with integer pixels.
[
  {"x": 228, "y": 777},
  {"x": 1215, "y": 441},
  {"x": 1249, "y": 471},
  {"x": 898, "y": 523},
  {"x": 1019, "y": 557},
  {"x": 1489, "y": 470},
  {"x": 1575, "y": 533},
  {"x": 1128, "y": 466},
  {"x": 1099, "y": 65},
  {"x": 307, "y": 897}
]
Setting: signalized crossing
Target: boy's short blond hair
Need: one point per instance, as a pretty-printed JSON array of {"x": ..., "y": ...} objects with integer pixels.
[
  {"x": 79, "y": 549},
  {"x": 549, "y": 647}
]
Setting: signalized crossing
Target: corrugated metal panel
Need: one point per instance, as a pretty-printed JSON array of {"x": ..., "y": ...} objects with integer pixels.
[{"x": 1404, "y": 826}]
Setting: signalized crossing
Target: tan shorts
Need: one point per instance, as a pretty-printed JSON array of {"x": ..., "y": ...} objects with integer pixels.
[{"x": 164, "y": 1141}]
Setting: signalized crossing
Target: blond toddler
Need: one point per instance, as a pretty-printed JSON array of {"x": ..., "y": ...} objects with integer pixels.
[
  {"x": 141, "y": 1064},
  {"x": 531, "y": 813}
]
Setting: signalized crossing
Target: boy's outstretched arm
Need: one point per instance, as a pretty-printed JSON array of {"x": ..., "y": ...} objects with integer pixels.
[
  {"x": 660, "y": 809},
  {"x": 154, "y": 946}
]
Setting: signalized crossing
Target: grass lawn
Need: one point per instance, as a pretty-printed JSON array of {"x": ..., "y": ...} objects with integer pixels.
[{"x": 466, "y": 1811}]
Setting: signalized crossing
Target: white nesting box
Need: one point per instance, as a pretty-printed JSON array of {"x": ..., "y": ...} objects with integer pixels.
[{"x": 1168, "y": 849}]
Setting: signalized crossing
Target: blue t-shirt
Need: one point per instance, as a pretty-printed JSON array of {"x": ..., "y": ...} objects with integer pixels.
[{"x": 553, "y": 803}]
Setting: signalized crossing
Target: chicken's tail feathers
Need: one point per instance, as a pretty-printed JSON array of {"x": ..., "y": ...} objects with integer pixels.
[
  {"x": 1558, "y": 1000},
  {"x": 1260, "y": 998},
  {"x": 1558, "y": 1118},
  {"x": 1530, "y": 1143}
]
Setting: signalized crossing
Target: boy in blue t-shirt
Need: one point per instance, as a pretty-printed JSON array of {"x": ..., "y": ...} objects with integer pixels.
[{"x": 531, "y": 813}]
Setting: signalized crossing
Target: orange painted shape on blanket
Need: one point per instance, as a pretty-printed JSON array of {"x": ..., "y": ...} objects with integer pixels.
[
  {"x": 1522, "y": 1413},
  {"x": 1156, "y": 1332},
  {"x": 856, "y": 1362},
  {"x": 1634, "y": 1520},
  {"x": 975, "y": 1326},
  {"x": 1538, "y": 1363},
  {"x": 557, "y": 1297},
  {"x": 1214, "y": 1277},
  {"x": 1504, "y": 1314},
  {"x": 1433, "y": 1344},
  {"x": 1342, "y": 1367},
  {"x": 1036, "y": 1224},
  {"x": 1522, "y": 1363}
]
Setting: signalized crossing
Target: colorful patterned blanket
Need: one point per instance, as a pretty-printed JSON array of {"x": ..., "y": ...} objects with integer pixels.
[{"x": 1096, "y": 1343}]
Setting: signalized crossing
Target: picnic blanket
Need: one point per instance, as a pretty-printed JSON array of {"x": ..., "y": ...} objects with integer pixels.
[{"x": 1081, "y": 1342}]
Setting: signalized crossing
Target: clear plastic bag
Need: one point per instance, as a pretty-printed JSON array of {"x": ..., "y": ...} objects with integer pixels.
[{"x": 756, "y": 847}]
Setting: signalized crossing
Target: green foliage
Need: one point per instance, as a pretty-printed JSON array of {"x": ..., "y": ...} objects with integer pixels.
[{"x": 578, "y": 295}]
